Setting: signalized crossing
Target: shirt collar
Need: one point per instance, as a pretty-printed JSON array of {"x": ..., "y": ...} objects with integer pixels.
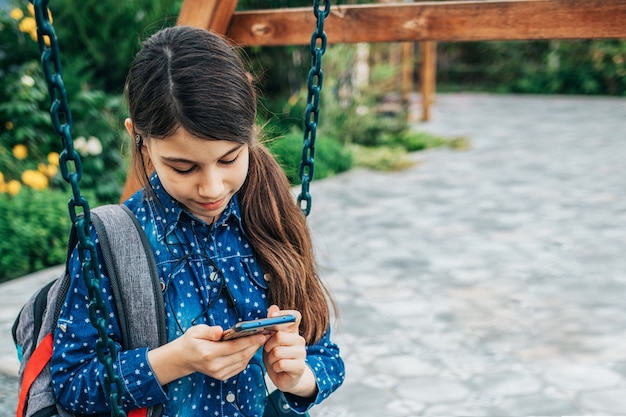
[{"x": 168, "y": 212}]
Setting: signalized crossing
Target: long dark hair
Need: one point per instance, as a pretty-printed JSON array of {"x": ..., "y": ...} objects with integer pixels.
[{"x": 192, "y": 78}]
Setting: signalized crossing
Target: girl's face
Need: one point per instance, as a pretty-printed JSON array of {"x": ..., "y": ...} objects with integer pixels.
[{"x": 203, "y": 175}]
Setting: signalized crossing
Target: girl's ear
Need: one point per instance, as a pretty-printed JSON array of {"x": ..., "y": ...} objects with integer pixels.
[
  {"x": 136, "y": 138},
  {"x": 129, "y": 127}
]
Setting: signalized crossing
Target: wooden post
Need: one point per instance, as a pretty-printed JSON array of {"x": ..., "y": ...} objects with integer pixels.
[
  {"x": 428, "y": 73},
  {"x": 214, "y": 15},
  {"x": 407, "y": 68}
]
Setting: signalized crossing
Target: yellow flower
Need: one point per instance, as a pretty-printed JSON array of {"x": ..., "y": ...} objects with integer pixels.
[
  {"x": 28, "y": 25},
  {"x": 13, "y": 187},
  {"x": 20, "y": 151},
  {"x": 48, "y": 170},
  {"x": 3, "y": 188},
  {"x": 51, "y": 170},
  {"x": 1, "y": 178},
  {"x": 31, "y": 11},
  {"x": 53, "y": 158},
  {"x": 35, "y": 179},
  {"x": 16, "y": 14},
  {"x": 34, "y": 37},
  {"x": 8, "y": 125}
]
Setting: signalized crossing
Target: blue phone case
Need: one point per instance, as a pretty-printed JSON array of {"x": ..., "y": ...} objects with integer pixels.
[
  {"x": 247, "y": 328},
  {"x": 262, "y": 323}
]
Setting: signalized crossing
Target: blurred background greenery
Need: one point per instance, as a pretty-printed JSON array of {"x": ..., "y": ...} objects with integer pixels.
[{"x": 98, "y": 39}]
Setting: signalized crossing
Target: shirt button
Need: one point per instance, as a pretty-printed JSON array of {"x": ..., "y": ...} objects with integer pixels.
[
  {"x": 213, "y": 276},
  {"x": 230, "y": 397}
]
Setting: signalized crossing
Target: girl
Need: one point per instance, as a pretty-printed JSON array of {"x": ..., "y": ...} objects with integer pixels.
[{"x": 230, "y": 245}]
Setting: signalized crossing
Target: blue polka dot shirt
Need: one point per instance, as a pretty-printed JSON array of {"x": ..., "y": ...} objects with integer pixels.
[{"x": 209, "y": 275}]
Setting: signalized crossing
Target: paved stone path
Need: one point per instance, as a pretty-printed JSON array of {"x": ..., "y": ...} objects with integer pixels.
[{"x": 488, "y": 282}]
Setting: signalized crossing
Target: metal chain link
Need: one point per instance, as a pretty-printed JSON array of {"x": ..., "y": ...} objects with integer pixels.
[
  {"x": 311, "y": 115},
  {"x": 71, "y": 170}
]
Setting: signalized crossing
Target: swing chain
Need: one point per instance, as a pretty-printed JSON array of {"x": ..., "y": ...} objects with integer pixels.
[
  {"x": 311, "y": 115},
  {"x": 71, "y": 170}
]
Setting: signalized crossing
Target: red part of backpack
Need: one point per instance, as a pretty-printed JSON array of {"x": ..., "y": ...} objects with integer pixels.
[{"x": 38, "y": 360}]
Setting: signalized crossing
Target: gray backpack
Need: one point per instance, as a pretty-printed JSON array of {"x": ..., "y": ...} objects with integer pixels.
[{"x": 137, "y": 293}]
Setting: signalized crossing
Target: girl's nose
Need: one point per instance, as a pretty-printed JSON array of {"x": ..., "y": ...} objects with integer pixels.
[{"x": 211, "y": 186}]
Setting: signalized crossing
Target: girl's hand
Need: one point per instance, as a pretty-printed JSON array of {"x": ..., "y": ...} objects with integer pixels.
[
  {"x": 200, "y": 350},
  {"x": 284, "y": 356}
]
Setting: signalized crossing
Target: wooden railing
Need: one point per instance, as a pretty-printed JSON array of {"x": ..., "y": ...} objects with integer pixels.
[{"x": 415, "y": 22}]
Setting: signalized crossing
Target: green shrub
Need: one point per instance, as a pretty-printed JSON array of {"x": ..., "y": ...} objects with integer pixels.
[
  {"x": 25, "y": 119},
  {"x": 330, "y": 157},
  {"x": 96, "y": 131},
  {"x": 580, "y": 66},
  {"x": 98, "y": 118},
  {"x": 34, "y": 230},
  {"x": 98, "y": 39}
]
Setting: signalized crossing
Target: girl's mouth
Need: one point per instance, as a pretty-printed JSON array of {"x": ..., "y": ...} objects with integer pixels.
[{"x": 213, "y": 205}]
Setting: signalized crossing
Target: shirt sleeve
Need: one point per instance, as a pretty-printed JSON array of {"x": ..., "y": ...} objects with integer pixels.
[
  {"x": 78, "y": 377},
  {"x": 325, "y": 361}
]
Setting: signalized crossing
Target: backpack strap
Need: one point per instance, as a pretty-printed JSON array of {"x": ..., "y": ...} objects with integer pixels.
[
  {"x": 133, "y": 273},
  {"x": 129, "y": 260},
  {"x": 36, "y": 364}
]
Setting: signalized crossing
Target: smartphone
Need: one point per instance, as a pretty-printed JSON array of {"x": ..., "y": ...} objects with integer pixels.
[{"x": 247, "y": 328}]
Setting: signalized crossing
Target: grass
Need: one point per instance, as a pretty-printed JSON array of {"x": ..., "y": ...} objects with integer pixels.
[{"x": 395, "y": 156}]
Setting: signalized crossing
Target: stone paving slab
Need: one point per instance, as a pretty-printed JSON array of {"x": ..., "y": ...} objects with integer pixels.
[{"x": 487, "y": 282}]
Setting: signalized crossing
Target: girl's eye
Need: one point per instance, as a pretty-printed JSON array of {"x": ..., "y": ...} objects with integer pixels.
[
  {"x": 183, "y": 171},
  {"x": 229, "y": 161}
]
